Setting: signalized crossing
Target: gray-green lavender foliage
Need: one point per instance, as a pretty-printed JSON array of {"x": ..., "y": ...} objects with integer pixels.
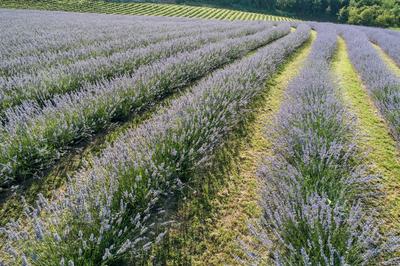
[
  {"x": 34, "y": 136},
  {"x": 62, "y": 78},
  {"x": 109, "y": 210}
]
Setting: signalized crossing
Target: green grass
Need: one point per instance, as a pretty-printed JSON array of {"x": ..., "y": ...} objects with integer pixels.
[
  {"x": 145, "y": 9},
  {"x": 382, "y": 156}
]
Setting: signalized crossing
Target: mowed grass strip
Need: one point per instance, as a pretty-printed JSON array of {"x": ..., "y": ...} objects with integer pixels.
[
  {"x": 235, "y": 204},
  {"x": 382, "y": 155}
]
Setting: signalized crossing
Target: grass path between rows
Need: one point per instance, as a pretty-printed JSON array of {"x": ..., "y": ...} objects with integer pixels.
[
  {"x": 387, "y": 59},
  {"x": 382, "y": 156},
  {"x": 235, "y": 204}
]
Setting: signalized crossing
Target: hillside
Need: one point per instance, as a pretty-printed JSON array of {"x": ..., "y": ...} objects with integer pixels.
[
  {"x": 383, "y": 13},
  {"x": 146, "y": 9},
  {"x": 363, "y": 12}
]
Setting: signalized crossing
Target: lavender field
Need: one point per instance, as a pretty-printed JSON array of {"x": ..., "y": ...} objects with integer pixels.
[{"x": 140, "y": 140}]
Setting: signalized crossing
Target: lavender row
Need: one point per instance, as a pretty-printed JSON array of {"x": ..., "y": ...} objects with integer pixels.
[
  {"x": 35, "y": 40},
  {"x": 389, "y": 43},
  {"x": 67, "y": 78},
  {"x": 27, "y": 32},
  {"x": 35, "y": 137},
  {"x": 315, "y": 189},
  {"x": 107, "y": 212},
  {"x": 382, "y": 84},
  {"x": 393, "y": 33},
  {"x": 118, "y": 41}
]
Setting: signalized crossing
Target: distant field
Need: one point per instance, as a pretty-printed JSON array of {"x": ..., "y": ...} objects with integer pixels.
[{"x": 146, "y": 9}]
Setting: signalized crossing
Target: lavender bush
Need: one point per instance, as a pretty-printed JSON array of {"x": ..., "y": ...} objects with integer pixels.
[
  {"x": 34, "y": 137},
  {"x": 33, "y": 32},
  {"x": 119, "y": 41},
  {"x": 393, "y": 32},
  {"x": 382, "y": 83},
  {"x": 139, "y": 34},
  {"x": 315, "y": 193},
  {"x": 37, "y": 38},
  {"x": 105, "y": 215},
  {"x": 66, "y": 78},
  {"x": 91, "y": 38}
]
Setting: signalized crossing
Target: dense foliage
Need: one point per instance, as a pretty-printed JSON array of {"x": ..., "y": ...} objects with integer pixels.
[{"x": 372, "y": 12}]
